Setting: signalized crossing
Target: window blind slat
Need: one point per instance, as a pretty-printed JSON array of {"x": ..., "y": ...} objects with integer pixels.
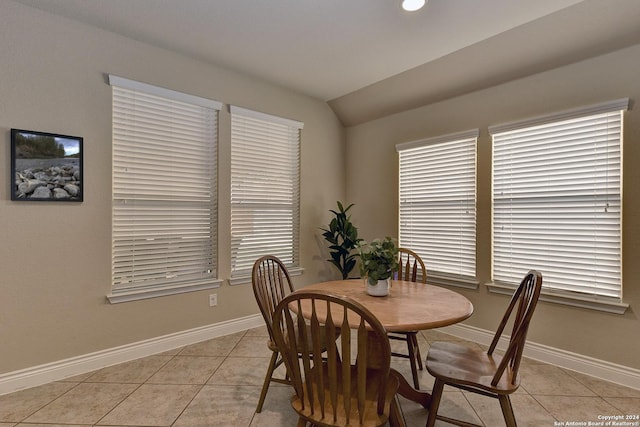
[
  {"x": 265, "y": 169},
  {"x": 437, "y": 190},
  {"x": 164, "y": 188},
  {"x": 556, "y": 202}
]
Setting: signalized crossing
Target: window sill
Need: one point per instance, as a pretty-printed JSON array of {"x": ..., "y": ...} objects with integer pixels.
[
  {"x": 458, "y": 282},
  {"x": 243, "y": 280},
  {"x": 117, "y": 297},
  {"x": 609, "y": 305}
]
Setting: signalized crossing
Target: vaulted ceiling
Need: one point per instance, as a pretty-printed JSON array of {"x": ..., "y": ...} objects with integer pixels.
[{"x": 369, "y": 58}]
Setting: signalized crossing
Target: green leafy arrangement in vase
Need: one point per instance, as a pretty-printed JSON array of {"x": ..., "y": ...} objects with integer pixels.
[
  {"x": 343, "y": 238},
  {"x": 378, "y": 259}
]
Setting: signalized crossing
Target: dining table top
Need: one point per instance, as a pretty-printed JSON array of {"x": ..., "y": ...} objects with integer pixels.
[{"x": 409, "y": 306}]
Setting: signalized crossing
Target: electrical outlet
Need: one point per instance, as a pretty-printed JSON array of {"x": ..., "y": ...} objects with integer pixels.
[{"x": 213, "y": 300}]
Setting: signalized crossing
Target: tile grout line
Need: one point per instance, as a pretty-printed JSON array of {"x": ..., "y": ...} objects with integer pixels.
[
  {"x": 48, "y": 403},
  {"x": 97, "y": 423},
  {"x": 202, "y": 386}
]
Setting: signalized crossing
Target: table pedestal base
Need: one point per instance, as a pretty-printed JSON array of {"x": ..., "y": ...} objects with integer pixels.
[{"x": 407, "y": 391}]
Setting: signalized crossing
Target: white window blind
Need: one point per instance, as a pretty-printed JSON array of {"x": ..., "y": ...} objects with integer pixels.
[
  {"x": 438, "y": 203},
  {"x": 164, "y": 189},
  {"x": 265, "y": 187},
  {"x": 556, "y": 200}
]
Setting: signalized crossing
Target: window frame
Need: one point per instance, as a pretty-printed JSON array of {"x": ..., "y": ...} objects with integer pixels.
[
  {"x": 466, "y": 276},
  {"x": 540, "y": 124},
  {"x": 200, "y": 223}
]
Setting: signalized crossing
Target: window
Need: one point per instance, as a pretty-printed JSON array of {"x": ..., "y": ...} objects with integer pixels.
[
  {"x": 265, "y": 187},
  {"x": 164, "y": 191},
  {"x": 438, "y": 205},
  {"x": 556, "y": 200}
]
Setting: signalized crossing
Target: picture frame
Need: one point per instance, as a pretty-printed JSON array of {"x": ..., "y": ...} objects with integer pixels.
[{"x": 46, "y": 167}]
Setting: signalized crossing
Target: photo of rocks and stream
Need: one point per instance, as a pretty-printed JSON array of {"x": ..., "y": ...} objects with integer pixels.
[{"x": 46, "y": 167}]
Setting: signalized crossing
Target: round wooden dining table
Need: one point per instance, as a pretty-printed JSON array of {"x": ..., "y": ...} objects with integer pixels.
[{"x": 409, "y": 306}]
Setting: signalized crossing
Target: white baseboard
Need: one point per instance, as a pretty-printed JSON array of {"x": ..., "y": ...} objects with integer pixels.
[
  {"x": 602, "y": 369},
  {"x": 55, "y": 371}
]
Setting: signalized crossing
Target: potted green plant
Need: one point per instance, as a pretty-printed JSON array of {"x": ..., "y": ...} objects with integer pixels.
[
  {"x": 378, "y": 262},
  {"x": 342, "y": 236}
]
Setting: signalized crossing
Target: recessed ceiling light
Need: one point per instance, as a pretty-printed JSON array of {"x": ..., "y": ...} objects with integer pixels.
[{"x": 412, "y": 5}]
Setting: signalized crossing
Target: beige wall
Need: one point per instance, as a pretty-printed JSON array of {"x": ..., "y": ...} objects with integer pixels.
[
  {"x": 372, "y": 185},
  {"x": 55, "y": 257}
]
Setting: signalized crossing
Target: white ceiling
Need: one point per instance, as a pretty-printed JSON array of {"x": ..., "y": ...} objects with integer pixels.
[{"x": 327, "y": 49}]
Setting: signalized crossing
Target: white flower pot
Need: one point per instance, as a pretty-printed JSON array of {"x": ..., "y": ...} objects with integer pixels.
[{"x": 380, "y": 289}]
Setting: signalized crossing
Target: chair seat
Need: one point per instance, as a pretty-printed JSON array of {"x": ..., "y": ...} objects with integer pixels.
[
  {"x": 370, "y": 413},
  {"x": 474, "y": 368}
]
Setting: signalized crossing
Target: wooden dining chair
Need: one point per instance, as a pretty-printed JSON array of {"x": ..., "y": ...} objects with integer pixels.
[
  {"x": 271, "y": 283},
  {"x": 483, "y": 372},
  {"x": 331, "y": 390},
  {"x": 411, "y": 269}
]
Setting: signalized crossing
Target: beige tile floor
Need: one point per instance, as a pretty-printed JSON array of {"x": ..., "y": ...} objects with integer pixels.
[{"x": 217, "y": 383}]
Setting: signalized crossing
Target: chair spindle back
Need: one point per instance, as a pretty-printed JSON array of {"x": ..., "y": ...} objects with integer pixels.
[
  {"x": 271, "y": 283},
  {"x": 525, "y": 300},
  {"x": 332, "y": 389},
  {"x": 410, "y": 265}
]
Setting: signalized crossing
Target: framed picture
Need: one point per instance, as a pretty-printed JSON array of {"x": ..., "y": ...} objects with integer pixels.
[{"x": 45, "y": 166}]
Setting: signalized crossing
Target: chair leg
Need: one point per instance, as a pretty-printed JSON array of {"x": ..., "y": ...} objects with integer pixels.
[
  {"x": 412, "y": 361},
  {"x": 267, "y": 380},
  {"x": 417, "y": 350},
  {"x": 436, "y": 396},
  {"x": 507, "y": 410}
]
